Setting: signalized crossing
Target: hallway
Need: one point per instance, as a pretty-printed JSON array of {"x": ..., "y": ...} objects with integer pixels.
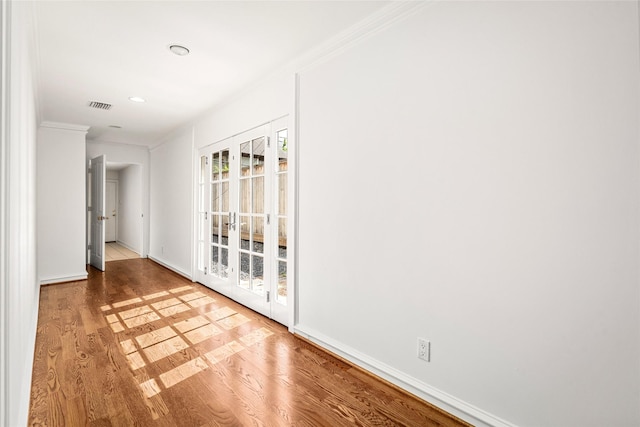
[{"x": 141, "y": 345}]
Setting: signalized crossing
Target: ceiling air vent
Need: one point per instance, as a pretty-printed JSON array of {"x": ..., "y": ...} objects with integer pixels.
[{"x": 99, "y": 105}]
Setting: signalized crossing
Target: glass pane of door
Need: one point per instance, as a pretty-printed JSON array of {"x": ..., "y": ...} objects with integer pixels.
[
  {"x": 280, "y": 240},
  {"x": 220, "y": 213},
  {"x": 251, "y": 215},
  {"x": 202, "y": 215}
]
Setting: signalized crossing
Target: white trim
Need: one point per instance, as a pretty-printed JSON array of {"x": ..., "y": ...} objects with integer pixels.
[
  {"x": 442, "y": 400},
  {"x": 65, "y": 126},
  {"x": 142, "y": 147},
  {"x": 171, "y": 267},
  {"x": 4, "y": 211},
  {"x": 294, "y": 204},
  {"x": 195, "y": 173},
  {"x": 372, "y": 24},
  {"x": 74, "y": 278}
]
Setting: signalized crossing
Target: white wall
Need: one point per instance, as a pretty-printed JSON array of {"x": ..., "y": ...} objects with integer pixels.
[
  {"x": 61, "y": 202},
  {"x": 470, "y": 176},
  {"x": 171, "y": 202},
  {"x": 130, "y": 208},
  {"x": 113, "y": 175},
  {"x": 265, "y": 102},
  {"x": 135, "y": 155},
  {"x": 19, "y": 289}
]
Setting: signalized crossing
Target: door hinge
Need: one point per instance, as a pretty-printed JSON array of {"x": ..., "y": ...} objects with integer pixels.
[
  {"x": 206, "y": 160},
  {"x": 268, "y": 219},
  {"x": 205, "y": 271},
  {"x": 268, "y": 142},
  {"x": 89, "y": 247},
  {"x": 268, "y": 296},
  {"x": 89, "y": 170},
  {"x": 205, "y": 216},
  {"x": 89, "y": 208}
]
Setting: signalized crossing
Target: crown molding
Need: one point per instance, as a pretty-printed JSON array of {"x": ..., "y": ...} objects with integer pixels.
[
  {"x": 65, "y": 126},
  {"x": 377, "y": 22}
]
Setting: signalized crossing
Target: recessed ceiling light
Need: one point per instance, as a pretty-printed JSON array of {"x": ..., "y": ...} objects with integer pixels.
[
  {"x": 179, "y": 50},
  {"x": 136, "y": 99}
]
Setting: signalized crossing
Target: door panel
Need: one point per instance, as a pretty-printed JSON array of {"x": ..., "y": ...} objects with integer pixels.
[
  {"x": 111, "y": 200},
  {"x": 98, "y": 181}
]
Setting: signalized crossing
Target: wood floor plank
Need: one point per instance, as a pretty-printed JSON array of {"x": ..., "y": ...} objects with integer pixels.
[
  {"x": 174, "y": 309},
  {"x": 182, "y": 372},
  {"x": 191, "y": 323},
  {"x": 191, "y": 296},
  {"x": 134, "y": 312},
  {"x": 202, "y": 333},
  {"x": 139, "y": 345},
  {"x": 155, "y": 295},
  {"x": 165, "y": 348},
  {"x": 125, "y": 303},
  {"x": 180, "y": 289},
  {"x": 168, "y": 302},
  {"x": 141, "y": 320},
  {"x": 233, "y": 321},
  {"x": 155, "y": 336},
  {"x": 199, "y": 302},
  {"x": 220, "y": 313}
]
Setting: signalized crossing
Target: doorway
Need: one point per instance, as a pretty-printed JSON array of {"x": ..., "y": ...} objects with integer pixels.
[
  {"x": 242, "y": 227},
  {"x": 111, "y": 213},
  {"x": 115, "y": 211}
]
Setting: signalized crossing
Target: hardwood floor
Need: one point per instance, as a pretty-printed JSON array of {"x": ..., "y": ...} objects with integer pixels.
[{"x": 140, "y": 345}]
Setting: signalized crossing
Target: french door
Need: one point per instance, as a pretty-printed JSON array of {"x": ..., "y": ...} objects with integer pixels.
[{"x": 242, "y": 219}]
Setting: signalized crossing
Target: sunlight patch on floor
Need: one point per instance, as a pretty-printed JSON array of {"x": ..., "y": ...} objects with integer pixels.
[{"x": 153, "y": 346}]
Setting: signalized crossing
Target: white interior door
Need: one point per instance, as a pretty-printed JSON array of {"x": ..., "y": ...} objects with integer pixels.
[
  {"x": 242, "y": 219},
  {"x": 111, "y": 200},
  {"x": 98, "y": 181}
]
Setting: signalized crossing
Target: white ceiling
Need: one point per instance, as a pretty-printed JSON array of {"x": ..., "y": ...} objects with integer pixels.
[{"x": 108, "y": 51}]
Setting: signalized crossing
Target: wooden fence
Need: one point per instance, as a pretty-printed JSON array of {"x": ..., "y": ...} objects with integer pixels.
[{"x": 258, "y": 198}]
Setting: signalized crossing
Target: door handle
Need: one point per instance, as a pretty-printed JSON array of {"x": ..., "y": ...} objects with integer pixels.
[{"x": 232, "y": 220}]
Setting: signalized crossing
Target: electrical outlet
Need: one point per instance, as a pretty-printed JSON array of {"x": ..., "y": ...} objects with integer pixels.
[{"x": 424, "y": 350}]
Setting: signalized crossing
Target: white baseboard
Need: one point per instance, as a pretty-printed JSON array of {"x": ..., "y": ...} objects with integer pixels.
[
  {"x": 442, "y": 400},
  {"x": 170, "y": 267},
  {"x": 121, "y": 243},
  {"x": 74, "y": 278}
]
